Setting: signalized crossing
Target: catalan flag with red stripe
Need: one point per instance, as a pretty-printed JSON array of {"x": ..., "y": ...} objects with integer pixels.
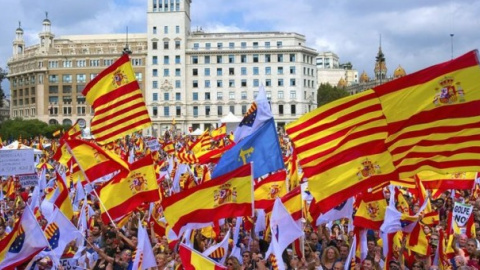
[
  {"x": 117, "y": 99},
  {"x": 433, "y": 117},
  {"x": 61, "y": 153},
  {"x": 341, "y": 148},
  {"x": 230, "y": 195}
]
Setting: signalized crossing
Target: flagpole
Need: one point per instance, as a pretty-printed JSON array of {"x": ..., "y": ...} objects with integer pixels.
[{"x": 94, "y": 190}]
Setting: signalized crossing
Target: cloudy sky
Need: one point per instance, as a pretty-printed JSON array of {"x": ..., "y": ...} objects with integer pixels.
[{"x": 415, "y": 34}]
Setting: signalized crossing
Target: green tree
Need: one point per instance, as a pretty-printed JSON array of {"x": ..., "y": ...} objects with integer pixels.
[
  {"x": 327, "y": 93},
  {"x": 3, "y": 75},
  {"x": 12, "y": 129}
]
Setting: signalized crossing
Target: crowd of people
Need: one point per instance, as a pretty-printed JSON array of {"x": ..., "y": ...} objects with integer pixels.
[{"x": 325, "y": 246}]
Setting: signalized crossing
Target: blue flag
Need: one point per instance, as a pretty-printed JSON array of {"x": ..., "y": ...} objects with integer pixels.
[{"x": 261, "y": 147}]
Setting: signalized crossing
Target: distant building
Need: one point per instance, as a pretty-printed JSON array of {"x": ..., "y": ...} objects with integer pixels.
[
  {"x": 381, "y": 77},
  {"x": 330, "y": 71},
  {"x": 5, "y": 110},
  {"x": 47, "y": 79}
]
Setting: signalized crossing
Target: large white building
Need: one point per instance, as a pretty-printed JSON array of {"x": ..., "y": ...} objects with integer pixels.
[
  {"x": 330, "y": 71},
  {"x": 197, "y": 77}
]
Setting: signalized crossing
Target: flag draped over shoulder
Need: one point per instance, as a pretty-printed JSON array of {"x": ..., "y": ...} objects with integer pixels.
[
  {"x": 230, "y": 195},
  {"x": 121, "y": 196},
  {"x": 94, "y": 161},
  {"x": 117, "y": 99},
  {"x": 258, "y": 113},
  {"x": 192, "y": 259},
  {"x": 24, "y": 242},
  {"x": 433, "y": 117},
  {"x": 261, "y": 147},
  {"x": 341, "y": 148}
]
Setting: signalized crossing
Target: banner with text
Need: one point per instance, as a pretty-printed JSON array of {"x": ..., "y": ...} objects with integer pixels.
[
  {"x": 461, "y": 213},
  {"x": 15, "y": 162}
]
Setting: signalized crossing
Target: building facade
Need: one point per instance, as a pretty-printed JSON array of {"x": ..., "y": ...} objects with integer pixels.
[
  {"x": 197, "y": 77},
  {"x": 47, "y": 79},
  {"x": 330, "y": 71}
]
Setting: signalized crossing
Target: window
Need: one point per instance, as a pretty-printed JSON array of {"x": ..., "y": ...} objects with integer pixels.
[
  {"x": 196, "y": 46},
  {"x": 231, "y": 71},
  {"x": 207, "y": 95},
  {"x": 178, "y": 84},
  {"x": 231, "y": 83},
  {"x": 207, "y": 71},
  {"x": 178, "y": 96},
  {"x": 267, "y": 44},
  {"x": 52, "y": 89},
  {"x": 194, "y": 59},
  {"x": 279, "y": 58},
  {"x": 220, "y": 110},
  {"x": 67, "y": 110},
  {"x": 279, "y": 44},
  {"x": 166, "y": 60},
  {"x": 67, "y": 63},
  {"x": 244, "y": 95},
  {"x": 178, "y": 73},
  {"x": 155, "y": 72},
  {"x": 244, "y": 83},
  {"x": 268, "y": 82},
  {"x": 207, "y": 59},
  {"x": 292, "y": 70},
  {"x": 268, "y": 70},
  {"x": 81, "y": 78},
  {"x": 292, "y": 82},
  {"x": 154, "y": 45},
  {"x": 255, "y": 58},
  {"x": 243, "y": 45},
  {"x": 166, "y": 72},
  {"x": 177, "y": 59},
  {"x": 243, "y": 58},
  {"x": 165, "y": 29},
  {"x": 231, "y": 95},
  {"x": 219, "y": 71},
  {"x": 255, "y": 45},
  {"x": 231, "y": 45},
  {"x": 280, "y": 109},
  {"x": 81, "y": 63},
  {"x": 269, "y": 95},
  {"x": 293, "y": 94},
  {"x": 219, "y": 45},
  {"x": 177, "y": 44},
  {"x": 195, "y": 111},
  {"x": 219, "y": 83},
  {"x": 165, "y": 45},
  {"x": 177, "y": 29},
  {"x": 292, "y": 57},
  {"x": 243, "y": 70},
  {"x": 195, "y": 84},
  {"x": 154, "y": 30},
  {"x": 155, "y": 97},
  {"x": 280, "y": 82},
  {"x": 195, "y": 95},
  {"x": 155, "y": 111},
  {"x": 207, "y": 84},
  {"x": 208, "y": 46},
  {"x": 255, "y": 71},
  {"x": 195, "y": 72},
  {"x": 293, "y": 109},
  {"x": 219, "y": 59},
  {"x": 280, "y": 94},
  {"x": 280, "y": 70},
  {"x": 219, "y": 95},
  {"x": 178, "y": 110},
  {"x": 155, "y": 60},
  {"x": 268, "y": 58},
  {"x": 166, "y": 111},
  {"x": 231, "y": 59},
  {"x": 52, "y": 78},
  {"x": 166, "y": 96},
  {"x": 232, "y": 109},
  {"x": 53, "y": 64},
  {"x": 155, "y": 84},
  {"x": 66, "y": 89},
  {"x": 207, "y": 110},
  {"x": 256, "y": 83},
  {"x": 95, "y": 62}
]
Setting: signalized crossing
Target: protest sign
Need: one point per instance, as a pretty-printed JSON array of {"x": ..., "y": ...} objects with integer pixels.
[{"x": 15, "y": 162}]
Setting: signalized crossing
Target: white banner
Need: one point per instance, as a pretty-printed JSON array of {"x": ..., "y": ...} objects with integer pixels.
[
  {"x": 461, "y": 213},
  {"x": 70, "y": 264},
  {"x": 153, "y": 144},
  {"x": 28, "y": 179},
  {"x": 15, "y": 162}
]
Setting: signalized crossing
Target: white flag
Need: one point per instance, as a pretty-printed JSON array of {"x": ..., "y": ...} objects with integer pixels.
[{"x": 144, "y": 257}]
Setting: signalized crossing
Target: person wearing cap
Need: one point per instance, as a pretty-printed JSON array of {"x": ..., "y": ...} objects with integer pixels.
[{"x": 394, "y": 265}]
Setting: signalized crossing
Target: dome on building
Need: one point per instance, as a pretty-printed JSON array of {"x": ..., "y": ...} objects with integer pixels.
[
  {"x": 364, "y": 77},
  {"x": 399, "y": 72},
  {"x": 19, "y": 29},
  {"x": 342, "y": 83}
]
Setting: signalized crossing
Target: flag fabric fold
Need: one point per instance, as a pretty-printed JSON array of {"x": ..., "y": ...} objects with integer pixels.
[
  {"x": 192, "y": 259},
  {"x": 144, "y": 257}
]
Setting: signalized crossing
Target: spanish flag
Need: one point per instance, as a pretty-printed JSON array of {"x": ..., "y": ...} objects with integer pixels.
[
  {"x": 268, "y": 189},
  {"x": 121, "y": 196},
  {"x": 219, "y": 133},
  {"x": 61, "y": 153},
  {"x": 371, "y": 212},
  {"x": 433, "y": 117},
  {"x": 94, "y": 161},
  {"x": 341, "y": 148},
  {"x": 230, "y": 195},
  {"x": 118, "y": 102},
  {"x": 192, "y": 259},
  {"x": 445, "y": 181}
]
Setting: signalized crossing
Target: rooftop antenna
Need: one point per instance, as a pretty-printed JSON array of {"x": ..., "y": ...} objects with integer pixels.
[
  {"x": 126, "y": 50},
  {"x": 451, "y": 41}
]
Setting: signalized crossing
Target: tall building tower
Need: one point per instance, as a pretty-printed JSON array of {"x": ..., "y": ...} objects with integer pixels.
[
  {"x": 168, "y": 23},
  {"x": 46, "y": 36},
  {"x": 18, "y": 42},
  {"x": 380, "y": 66}
]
